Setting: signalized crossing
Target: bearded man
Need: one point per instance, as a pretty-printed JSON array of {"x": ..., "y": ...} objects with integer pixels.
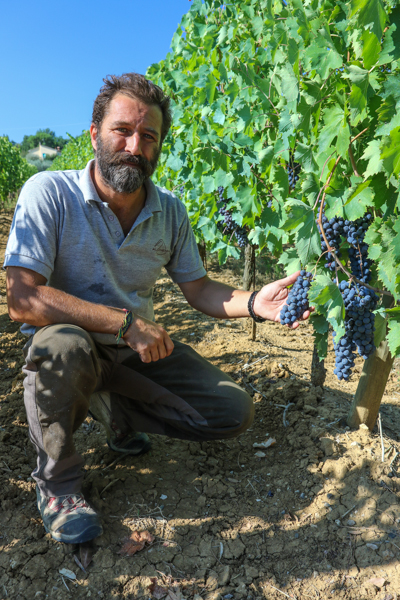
[{"x": 85, "y": 250}]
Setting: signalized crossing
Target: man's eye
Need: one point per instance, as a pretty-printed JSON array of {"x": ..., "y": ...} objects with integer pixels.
[{"x": 123, "y": 129}]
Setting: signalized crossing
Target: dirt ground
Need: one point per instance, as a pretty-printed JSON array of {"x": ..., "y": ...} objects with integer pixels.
[{"x": 316, "y": 515}]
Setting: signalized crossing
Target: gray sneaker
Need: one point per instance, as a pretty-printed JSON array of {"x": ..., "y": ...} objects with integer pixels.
[
  {"x": 68, "y": 519},
  {"x": 128, "y": 443}
]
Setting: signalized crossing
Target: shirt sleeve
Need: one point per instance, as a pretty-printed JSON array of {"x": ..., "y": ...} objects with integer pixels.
[
  {"x": 185, "y": 263},
  {"x": 33, "y": 236}
]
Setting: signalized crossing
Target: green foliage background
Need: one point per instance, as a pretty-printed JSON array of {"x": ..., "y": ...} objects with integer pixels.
[
  {"x": 255, "y": 82},
  {"x": 75, "y": 155},
  {"x": 14, "y": 170}
]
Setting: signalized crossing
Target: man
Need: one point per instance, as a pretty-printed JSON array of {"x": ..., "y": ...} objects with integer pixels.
[{"x": 84, "y": 252}]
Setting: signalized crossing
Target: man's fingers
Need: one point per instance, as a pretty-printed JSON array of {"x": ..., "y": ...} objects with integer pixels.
[
  {"x": 145, "y": 356},
  {"x": 162, "y": 352},
  {"x": 169, "y": 344},
  {"x": 286, "y": 281},
  {"x": 154, "y": 354}
]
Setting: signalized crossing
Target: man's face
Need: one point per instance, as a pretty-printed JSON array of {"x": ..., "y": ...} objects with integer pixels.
[{"x": 128, "y": 143}]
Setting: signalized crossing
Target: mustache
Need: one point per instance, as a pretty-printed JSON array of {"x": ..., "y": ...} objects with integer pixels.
[{"x": 137, "y": 161}]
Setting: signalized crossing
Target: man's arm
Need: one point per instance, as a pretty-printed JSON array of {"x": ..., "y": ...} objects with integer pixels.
[
  {"x": 223, "y": 301},
  {"x": 31, "y": 301}
]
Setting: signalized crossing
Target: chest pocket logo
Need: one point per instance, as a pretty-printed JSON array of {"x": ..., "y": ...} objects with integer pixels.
[{"x": 160, "y": 248}]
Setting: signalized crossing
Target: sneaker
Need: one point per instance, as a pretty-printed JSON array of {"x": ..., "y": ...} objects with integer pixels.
[
  {"x": 68, "y": 519},
  {"x": 128, "y": 443}
]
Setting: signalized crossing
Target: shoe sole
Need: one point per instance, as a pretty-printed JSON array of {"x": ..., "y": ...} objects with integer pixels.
[
  {"x": 132, "y": 451},
  {"x": 93, "y": 531}
]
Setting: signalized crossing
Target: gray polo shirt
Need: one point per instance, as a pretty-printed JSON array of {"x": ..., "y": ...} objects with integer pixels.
[{"x": 62, "y": 230}]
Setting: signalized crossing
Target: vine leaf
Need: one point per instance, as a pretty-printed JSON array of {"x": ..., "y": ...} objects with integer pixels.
[
  {"x": 325, "y": 293},
  {"x": 393, "y": 336},
  {"x": 321, "y": 330}
]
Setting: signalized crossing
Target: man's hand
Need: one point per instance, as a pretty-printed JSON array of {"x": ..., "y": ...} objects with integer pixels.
[
  {"x": 148, "y": 339},
  {"x": 272, "y": 297}
]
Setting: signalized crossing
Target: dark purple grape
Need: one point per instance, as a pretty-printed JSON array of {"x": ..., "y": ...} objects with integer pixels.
[{"x": 297, "y": 300}]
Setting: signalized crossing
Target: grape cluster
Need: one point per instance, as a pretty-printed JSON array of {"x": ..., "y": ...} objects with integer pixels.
[
  {"x": 355, "y": 232},
  {"x": 333, "y": 229},
  {"x": 227, "y": 225},
  {"x": 297, "y": 300},
  {"x": 293, "y": 169},
  {"x": 359, "y": 303}
]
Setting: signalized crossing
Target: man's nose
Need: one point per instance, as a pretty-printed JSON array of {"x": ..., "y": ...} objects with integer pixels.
[{"x": 133, "y": 144}]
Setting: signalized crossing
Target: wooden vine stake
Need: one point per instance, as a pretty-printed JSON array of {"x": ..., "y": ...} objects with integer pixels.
[
  {"x": 318, "y": 370},
  {"x": 367, "y": 399},
  {"x": 249, "y": 278}
]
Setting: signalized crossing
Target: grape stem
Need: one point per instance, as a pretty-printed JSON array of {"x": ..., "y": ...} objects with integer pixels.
[
  {"x": 353, "y": 162},
  {"x": 329, "y": 247}
]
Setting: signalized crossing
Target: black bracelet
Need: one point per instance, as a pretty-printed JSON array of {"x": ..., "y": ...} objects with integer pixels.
[{"x": 250, "y": 306}]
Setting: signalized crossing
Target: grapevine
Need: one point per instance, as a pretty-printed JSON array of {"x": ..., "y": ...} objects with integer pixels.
[{"x": 227, "y": 225}]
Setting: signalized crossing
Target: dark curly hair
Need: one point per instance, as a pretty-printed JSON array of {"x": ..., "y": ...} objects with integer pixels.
[{"x": 135, "y": 86}]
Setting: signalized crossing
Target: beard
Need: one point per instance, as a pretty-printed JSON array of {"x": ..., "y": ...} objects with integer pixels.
[{"x": 122, "y": 171}]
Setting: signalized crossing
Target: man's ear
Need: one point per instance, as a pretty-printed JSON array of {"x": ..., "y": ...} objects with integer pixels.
[{"x": 93, "y": 136}]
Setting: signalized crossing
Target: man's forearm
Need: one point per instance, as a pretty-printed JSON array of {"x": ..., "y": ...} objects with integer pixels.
[
  {"x": 45, "y": 305},
  {"x": 219, "y": 300}
]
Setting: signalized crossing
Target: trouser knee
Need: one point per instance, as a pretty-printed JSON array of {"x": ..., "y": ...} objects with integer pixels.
[
  {"x": 243, "y": 413},
  {"x": 65, "y": 357},
  {"x": 62, "y": 370}
]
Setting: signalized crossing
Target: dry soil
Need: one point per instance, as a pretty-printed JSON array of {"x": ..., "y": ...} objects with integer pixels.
[{"x": 316, "y": 515}]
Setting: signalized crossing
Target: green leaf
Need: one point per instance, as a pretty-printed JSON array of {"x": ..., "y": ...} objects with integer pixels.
[
  {"x": 248, "y": 200},
  {"x": 321, "y": 332},
  {"x": 325, "y": 296},
  {"x": 380, "y": 328},
  {"x": 290, "y": 260},
  {"x": 321, "y": 59},
  {"x": 219, "y": 116},
  {"x": 359, "y": 92},
  {"x": 359, "y": 201},
  {"x": 289, "y": 82},
  {"x": 209, "y": 184},
  {"x": 333, "y": 117},
  {"x": 390, "y": 153},
  {"x": 393, "y": 336},
  {"x": 305, "y": 157},
  {"x": 371, "y": 15},
  {"x": 372, "y": 155}
]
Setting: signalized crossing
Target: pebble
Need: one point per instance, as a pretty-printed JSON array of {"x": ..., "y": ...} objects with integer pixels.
[
  {"x": 67, "y": 573},
  {"x": 351, "y": 522},
  {"x": 302, "y": 495},
  {"x": 270, "y": 494},
  {"x": 330, "y": 496},
  {"x": 372, "y": 546}
]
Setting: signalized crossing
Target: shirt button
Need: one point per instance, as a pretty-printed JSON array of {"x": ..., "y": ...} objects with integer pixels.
[
  {"x": 117, "y": 233},
  {"x": 111, "y": 218}
]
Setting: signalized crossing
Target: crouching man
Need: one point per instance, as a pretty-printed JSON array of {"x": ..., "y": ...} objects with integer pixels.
[{"x": 85, "y": 250}]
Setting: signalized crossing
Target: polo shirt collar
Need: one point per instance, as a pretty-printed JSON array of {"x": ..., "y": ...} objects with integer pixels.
[{"x": 152, "y": 205}]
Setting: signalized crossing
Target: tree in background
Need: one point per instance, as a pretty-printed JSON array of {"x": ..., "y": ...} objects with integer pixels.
[
  {"x": 76, "y": 154},
  {"x": 14, "y": 170},
  {"x": 42, "y": 136}
]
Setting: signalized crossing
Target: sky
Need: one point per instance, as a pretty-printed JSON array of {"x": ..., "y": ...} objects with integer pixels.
[{"x": 54, "y": 55}]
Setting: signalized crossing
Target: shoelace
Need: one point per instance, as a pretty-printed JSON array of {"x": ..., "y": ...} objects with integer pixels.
[{"x": 69, "y": 502}]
